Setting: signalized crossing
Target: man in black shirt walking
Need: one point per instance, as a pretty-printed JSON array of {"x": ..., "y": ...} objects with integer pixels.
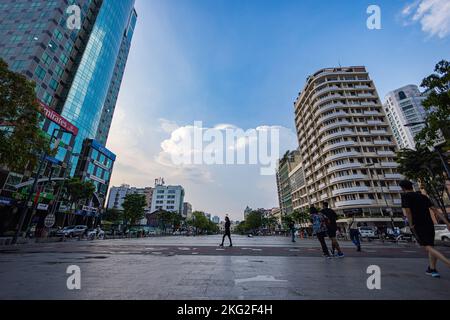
[
  {"x": 418, "y": 208},
  {"x": 227, "y": 231},
  {"x": 332, "y": 229}
]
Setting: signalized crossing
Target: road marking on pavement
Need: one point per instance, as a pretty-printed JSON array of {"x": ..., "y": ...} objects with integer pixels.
[
  {"x": 246, "y": 248},
  {"x": 184, "y": 249},
  {"x": 194, "y": 252},
  {"x": 259, "y": 278},
  {"x": 256, "y": 249},
  {"x": 294, "y": 250},
  {"x": 156, "y": 252}
]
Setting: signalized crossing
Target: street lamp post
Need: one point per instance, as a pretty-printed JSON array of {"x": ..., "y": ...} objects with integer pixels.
[{"x": 27, "y": 205}]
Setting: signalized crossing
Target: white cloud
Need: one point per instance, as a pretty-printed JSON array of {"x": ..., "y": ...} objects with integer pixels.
[
  {"x": 194, "y": 145},
  {"x": 433, "y": 15},
  {"x": 144, "y": 153}
]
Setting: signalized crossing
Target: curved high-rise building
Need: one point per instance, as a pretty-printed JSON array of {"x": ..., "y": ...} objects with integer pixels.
[{"x": 347, "y": 152}]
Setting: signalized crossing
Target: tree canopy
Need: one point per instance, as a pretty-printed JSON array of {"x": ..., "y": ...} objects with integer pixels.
[
  {"x": 21, "y": 139},
  {"x": 78, "y": 190},
  {"x": 134, "y": 208},
  {"x": 437, "y": 105}
]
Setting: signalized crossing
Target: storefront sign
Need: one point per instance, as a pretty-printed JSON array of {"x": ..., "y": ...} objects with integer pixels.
[
  {"x": 102, "y": 149},
  {"x": 58, "y": 119},
  {"x": 63, "y": 208},
  {"x": 6, "y": 201},
  {"x": 42, "y": 207}
]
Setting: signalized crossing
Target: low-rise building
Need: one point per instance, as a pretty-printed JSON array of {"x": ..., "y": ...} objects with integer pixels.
[{"x": 169, "y": 198}]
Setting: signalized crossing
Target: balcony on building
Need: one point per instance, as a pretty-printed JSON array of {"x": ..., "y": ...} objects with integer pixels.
[
  {"x": 349, "y": 177},
  {"x": 350, "y": 203},
  {"x": 340, "y": 191},
  {"x": 344, "y": 166}
]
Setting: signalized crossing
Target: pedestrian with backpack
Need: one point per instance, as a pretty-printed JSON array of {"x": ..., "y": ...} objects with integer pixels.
[
  {"x": 331, "y": 222},
  {"x": 319, "y": 229}
]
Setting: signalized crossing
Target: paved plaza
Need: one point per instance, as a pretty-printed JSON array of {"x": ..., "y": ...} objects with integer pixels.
[{"x": 256, "y": 268}]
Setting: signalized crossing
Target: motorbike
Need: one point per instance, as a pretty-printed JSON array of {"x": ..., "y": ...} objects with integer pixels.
[{"x": 95, "y": 234}]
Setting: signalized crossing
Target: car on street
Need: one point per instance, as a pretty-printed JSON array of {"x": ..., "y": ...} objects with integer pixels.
[
  {"x": 367, "y": 232},
  {"x": 441, "y": 233},
  {"x": 72, "y": 231}
]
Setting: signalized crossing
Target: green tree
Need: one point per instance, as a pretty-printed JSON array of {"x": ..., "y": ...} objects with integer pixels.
[
  {"x": 200, "y": 222},
  {"x": 437, "y": 105},
  {"x": 271, "y": 223},
  {"x": 21, "y": 139},
  {"x": 241, "y": 228},
  {"x": 254, "y": 221},
  {"x": 286, "y": 220},
  {"x": 300, "y": 217},
  {"x": 166, "y": 218},
  {"x": 133, "y": 208},
  {"x": 78, "y": 190},
  {"x": 112, "y": 215},
  {"x": 425, "y": 167}
]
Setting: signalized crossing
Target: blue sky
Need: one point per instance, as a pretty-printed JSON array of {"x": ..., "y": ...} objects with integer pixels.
[{"x": 243, "y": 62}]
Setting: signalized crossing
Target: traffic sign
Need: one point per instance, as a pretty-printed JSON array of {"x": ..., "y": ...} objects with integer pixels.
[{"x": 50, "y": 220}]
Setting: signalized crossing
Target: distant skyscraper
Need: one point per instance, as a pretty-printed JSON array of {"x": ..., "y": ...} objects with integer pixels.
[
  {"x": 404, "y": 106},
  {"x": 285, "y": 167},
  {"x": 215, "y": 219}
]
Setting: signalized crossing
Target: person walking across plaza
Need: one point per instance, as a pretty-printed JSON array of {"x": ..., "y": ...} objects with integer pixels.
[
  {"x": 331, "y": 216},
  {"x": 319, "y": 229},
  {"x": 292, "y": 230},
  {"x": 227, "y": 231},
  {"x": 418, "y": 210},
  {"x": 354, "y": 233}
]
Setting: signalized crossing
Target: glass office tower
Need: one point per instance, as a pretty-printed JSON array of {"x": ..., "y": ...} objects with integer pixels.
[
  {"x": 88, "y": 93},
  {"x": 78, "y": 72}
]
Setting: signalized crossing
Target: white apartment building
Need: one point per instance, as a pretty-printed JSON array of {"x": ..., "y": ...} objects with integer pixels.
[
  {"x": 169, "y": 198},
  {"x": 347, "y": 152},
  {"x": 404, "y": 106},
  {"x": 117, "y": 196}
]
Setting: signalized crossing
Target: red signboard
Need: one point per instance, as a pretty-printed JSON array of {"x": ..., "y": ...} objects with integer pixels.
[{"x": 58, "y": 119}]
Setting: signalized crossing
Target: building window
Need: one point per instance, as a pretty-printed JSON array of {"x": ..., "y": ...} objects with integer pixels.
[
  {"x": 40, "y": 73},
  {"x": 402, "y": 95}
]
